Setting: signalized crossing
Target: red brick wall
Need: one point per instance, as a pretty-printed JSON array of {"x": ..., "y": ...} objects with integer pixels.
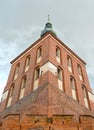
[
  {"x": 67, "y": 74},
  {"x": 32, "y": 122},
  {"x": 48, "y": 45}
]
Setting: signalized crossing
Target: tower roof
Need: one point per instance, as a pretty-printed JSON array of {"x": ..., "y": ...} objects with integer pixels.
[
  {"x": 48, "y": 28},
  {"x": 44, "y": 101}
]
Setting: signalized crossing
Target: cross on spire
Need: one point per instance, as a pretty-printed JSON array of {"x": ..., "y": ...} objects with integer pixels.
[{"x": 48, "y": 17}]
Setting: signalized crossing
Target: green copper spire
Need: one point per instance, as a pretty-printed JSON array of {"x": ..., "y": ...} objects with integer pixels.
[{"x": 48, "y": 28}]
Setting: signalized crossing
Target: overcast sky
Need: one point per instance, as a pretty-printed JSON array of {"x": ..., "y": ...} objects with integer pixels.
[{"x": 21, "y": 22}]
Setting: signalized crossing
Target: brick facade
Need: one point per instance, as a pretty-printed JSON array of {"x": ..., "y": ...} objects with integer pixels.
[{"x": 55, "y": 93}]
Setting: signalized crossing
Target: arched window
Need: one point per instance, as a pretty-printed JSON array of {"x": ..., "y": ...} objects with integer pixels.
[
  {"x": 27, "y": 63},
  {"x": 58, "y": 54},
  {"x": 37, "y": 73},
  {"x": 23, "y": 84},
  {"x": 4, "y": 95},
  {"x": 10, "y": 95},
  {"x": 85, "y": 96},
  {"x": 11, "y": 91},
  {"x": 59, "y": 74},
  {"x": 60, "y": 78},
  {"x": 16, "y": 71},
  {"x": 73, "y": 87},
  {"x": 36, "y": 78},
  {"x": 80, "y": 72},
  {"x": 69, "y": 64},
  {"x": 39, "y": 54}
]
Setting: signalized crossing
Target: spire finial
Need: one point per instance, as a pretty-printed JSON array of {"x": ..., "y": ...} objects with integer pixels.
[{"x": 48, "y": 17}]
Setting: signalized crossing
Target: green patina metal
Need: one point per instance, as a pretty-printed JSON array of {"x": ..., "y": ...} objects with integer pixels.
[{"x": 48, "y": 28}]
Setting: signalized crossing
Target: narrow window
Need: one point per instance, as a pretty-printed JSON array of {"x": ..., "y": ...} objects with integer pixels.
[
  {"x": 11, "y": 91},
  {"x": 85, "y": 96},
  {"x": 58, "y": 55},
  {"x": 84, "y": 91},
  {"x": 72, "y": 83},
  {"x": 16, "y": 72},
  {"x": 73, "y": 87},
  {"x": 36, "y": 78},
  {"x": 60, "y": 80},
  {"x": 69, "y": 63},
  {"x": 37, "y": 73},
  {"x": 59, "y": 74},
  {"x": 10, "y": 95},
  {"x": 80, "y": 72},
  {"x": 39, "y": 55},
  {"x": 23, "y": 84},
  {"x": 58, "y": 52},
  {"x": 27, "y": 63},
  {"x": 4, "y": 95}
]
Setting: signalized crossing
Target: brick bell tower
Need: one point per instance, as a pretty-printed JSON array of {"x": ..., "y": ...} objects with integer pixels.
[{"x": 47, "y": 89}]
